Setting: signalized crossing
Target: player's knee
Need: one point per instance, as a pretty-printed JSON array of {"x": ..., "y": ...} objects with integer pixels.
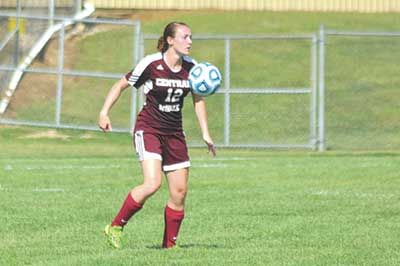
[
  {"x": 180, "y": 194},
  {"x": 152, "y": 187}
]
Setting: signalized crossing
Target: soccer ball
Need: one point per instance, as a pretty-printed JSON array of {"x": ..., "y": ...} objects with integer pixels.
[{"x": 205, "y": 79}]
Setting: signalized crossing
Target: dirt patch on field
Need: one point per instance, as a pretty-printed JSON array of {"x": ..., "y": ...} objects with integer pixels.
[
  {"x": 48, "y": 134},
  {"x": 87, "y": 136}
]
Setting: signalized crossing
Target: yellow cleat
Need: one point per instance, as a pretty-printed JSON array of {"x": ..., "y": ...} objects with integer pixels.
[{"x": 114, "y": 234}]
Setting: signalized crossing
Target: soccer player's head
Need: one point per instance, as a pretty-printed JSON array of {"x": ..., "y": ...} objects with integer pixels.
[{"x": 177, "y": 36}]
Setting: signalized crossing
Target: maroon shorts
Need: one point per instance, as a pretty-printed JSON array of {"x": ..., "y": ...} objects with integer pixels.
[{"x": 170, "y": 149}]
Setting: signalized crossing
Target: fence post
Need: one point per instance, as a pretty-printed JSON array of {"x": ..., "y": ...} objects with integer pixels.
[
  {"x": 314, "y": 93},
  {"x": 51, "y": 12},
  {"x": 227, "y": 79},
  {"x": 60, "y": 75},
  {"x": 139, "y": 92},
  {"x": 321, "y": 85},
  {"x": 136, "y": 56},
  {"x": 17, "y": 25},
  {"x": 78, "y": 6}
]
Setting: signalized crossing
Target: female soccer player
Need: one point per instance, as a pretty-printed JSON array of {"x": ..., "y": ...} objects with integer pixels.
[{"x": 158, "y": 134}]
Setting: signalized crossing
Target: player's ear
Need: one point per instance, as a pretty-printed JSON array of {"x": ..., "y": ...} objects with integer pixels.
[{"x": 170, "y": 40}]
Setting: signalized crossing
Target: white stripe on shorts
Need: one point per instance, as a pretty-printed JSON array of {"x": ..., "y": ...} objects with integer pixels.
[
  {"x": 176, "y": 166},
  {"x": 140, "y": 148}
]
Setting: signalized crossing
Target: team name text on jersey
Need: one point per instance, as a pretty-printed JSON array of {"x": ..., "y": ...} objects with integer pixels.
[{"x": 174, "y": 83}]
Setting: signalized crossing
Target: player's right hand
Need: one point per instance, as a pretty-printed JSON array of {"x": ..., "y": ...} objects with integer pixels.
[{"x": 105, "y": 123}]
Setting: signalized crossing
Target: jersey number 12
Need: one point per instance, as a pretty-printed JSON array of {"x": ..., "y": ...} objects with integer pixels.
[{"x": 173, "y": 95}]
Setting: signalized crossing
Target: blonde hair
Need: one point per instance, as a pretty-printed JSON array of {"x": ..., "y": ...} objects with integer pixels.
[{"x": 169, "y": 31}]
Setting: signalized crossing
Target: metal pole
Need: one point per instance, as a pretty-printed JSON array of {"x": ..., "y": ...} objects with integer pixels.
[
  {"x": 60, "y": 74},
  {"x": 51, "y": 12},
  {"x": 140, "y": 92},
  {"x": 78, "y": 6},
  {"x": 135, "y": 60},
  {"x": 17, "y": 24},
  {"x": 321, "y": 83},
  {"x": 227, "y": 79},
  {"x": 314, "y": 94}
]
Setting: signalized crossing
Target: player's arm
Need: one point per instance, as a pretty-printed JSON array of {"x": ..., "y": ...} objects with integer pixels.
[
  {"x": 112, "y": 96},
  {"x": 201, "y": 113}
]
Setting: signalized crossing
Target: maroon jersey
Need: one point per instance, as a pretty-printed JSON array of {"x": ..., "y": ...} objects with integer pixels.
[{"x": 165, "y": 91}]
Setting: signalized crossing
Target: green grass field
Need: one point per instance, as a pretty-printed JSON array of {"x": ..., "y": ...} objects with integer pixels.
[{"x": 245, "y": 207}]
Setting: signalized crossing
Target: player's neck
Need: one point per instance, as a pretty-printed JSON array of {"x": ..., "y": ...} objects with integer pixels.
[{"x": 173, "y": 60}]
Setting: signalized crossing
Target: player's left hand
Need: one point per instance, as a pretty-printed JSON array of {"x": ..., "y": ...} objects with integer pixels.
[
  {"x": 212, "y": 149},
  {"x": 210, "y": 145}
]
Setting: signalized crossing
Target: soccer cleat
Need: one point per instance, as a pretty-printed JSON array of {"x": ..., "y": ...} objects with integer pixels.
[{"x": 114, "y": 234}]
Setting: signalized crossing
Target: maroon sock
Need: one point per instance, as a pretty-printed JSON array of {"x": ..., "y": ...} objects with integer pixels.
[
  {"x": 129, "y": 208},
  {"x": 173, "y": 220}
]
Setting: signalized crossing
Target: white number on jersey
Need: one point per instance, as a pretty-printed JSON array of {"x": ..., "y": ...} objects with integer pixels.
[{"x": 173, "y": 95}]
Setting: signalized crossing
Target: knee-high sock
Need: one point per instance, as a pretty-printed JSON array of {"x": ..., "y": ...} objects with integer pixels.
[
  {"x": 173, "y": 220},
  {"x": 128, "y": 209}
]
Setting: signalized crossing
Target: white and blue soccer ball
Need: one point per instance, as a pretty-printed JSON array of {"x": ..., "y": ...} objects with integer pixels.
[{"x": 205, "y": 79}]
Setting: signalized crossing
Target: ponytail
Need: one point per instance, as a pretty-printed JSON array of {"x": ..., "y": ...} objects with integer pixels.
[{"x": 162, "y": 45}]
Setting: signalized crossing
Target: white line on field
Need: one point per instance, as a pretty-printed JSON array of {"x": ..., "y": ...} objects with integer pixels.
[
  {"x": 133, "y": 158},
  {"x": 210, "y": 165},
  {"x": 45, "y": 190},
  {"x": 50, "y": 164},
  {"x": 352, "y": 194},
  {"x": 92, "y": 167},
  {"x": 61, "y": 167},
  {"x": 61, "y": 160},
  {"x": 227, "y": 159},
  {"x": 53, "y": 190}
]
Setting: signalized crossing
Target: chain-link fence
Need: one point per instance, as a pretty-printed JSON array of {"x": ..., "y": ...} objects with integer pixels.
[
  {"x": 270, "y": 96},
  {"x": 265, "y": 100},
  {"x": 78, "y": 66},
  {"x": 362, "y": 90},
  {"x": 265, "y": 97},
  {"x": 56, "y": 89},
  {"x": 23, "y": 24}
]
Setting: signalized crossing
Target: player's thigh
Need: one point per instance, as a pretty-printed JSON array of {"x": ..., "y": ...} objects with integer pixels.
[
  {"x": 148, "y": 149},
  {"x": 178, "y": 180},
  {"x": 152, "y": 174}
]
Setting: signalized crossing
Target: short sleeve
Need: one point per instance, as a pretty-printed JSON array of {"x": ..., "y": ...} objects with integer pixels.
[
  {"x": 137, "y": 76},
  {"x": 141, "y": 73}
]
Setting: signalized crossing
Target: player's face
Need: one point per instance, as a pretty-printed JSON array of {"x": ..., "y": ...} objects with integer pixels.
[{"x": 182, "y": 42}]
